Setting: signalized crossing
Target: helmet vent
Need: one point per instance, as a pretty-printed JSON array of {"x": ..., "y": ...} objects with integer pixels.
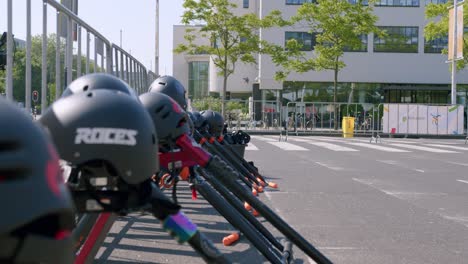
[
  {"x": 90, "y": 95},
  {"x": 85, "y": 88},
  {"x": 162, "y": 83},
  {"x": 8, "y": 146},
  {"x": 13, "y": 174},
  {"x": 166, "y": 114},
  {"x": 159, "y": 109}
]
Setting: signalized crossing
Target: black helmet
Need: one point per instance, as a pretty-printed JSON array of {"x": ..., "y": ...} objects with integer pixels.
[
  {"x": 169, "y": 119},
  {"x": 215, "y": 122},
  {"x": 197, "y": 119},
  {"x": 104, "y": 125},
  {"x": 190, "y": 123},
  {"x": 37, "y": 211},
  {"x": 94, "y": 81},
  {"x": 170, "y": 86}
]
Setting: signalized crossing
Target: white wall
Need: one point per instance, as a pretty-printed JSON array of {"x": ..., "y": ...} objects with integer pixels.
[{"x": 367, "y": 67}]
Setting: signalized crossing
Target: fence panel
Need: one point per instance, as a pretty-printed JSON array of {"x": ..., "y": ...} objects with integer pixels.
[{"x": 70, "y": 60}]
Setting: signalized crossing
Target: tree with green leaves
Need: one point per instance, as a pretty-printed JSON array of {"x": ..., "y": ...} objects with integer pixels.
[
  {"x": 337, "y": 26},
  {"x": 438, "y": 27},
  {"x": 232, "y": 38},
  {"x": 19, "y": 69}
]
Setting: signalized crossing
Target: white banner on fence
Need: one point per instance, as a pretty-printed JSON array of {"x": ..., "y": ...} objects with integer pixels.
[{"x": 423, "y": 119}]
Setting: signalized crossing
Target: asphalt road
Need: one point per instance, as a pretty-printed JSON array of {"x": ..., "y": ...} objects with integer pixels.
[{"x": 399, "y": 201}]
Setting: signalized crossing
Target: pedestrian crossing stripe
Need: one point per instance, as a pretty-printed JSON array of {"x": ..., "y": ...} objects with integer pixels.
[
  {"x": 287, "y": 146},
  {"x": 447, "y": 146},
  {"x": 378, "y": 147},
  {"x": 434, "y": 150},
  {"x": 326, "y": 145}
]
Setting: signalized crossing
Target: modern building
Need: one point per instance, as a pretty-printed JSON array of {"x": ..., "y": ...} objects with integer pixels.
[{"x": 414, "y": 71}]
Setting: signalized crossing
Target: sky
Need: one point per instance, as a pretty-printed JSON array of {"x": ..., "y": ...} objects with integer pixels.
[{"x": 135, "y": 18}]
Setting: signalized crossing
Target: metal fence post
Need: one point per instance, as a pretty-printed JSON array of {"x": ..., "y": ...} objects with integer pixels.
[
  {"x": 88, "y": 40},
  {"x": 57, "y": 59},
  {"x": 78, "y": 60},
  {"x": 28, "y": 56},
  {"x": 44, "y": 58},
  {"x": 69, "y": 51},
  {"x": 9, "y": 70}
]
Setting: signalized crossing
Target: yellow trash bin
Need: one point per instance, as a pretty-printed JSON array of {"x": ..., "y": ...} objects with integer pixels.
[{"x": 348, "y": 126}]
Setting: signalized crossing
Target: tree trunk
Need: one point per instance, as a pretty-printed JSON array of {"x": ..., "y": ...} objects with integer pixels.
[{"x": 223, "y": 95}]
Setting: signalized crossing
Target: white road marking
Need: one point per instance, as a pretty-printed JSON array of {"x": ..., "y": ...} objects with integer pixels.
[
  {"x": 263, "y": 138},
  {"x": 424, "y": 148},
  {"x": 447, "y": 146},
  {"x": 251, "y": 146},
  {"x": 331, "y": 146},
  {"x": 326, "y": 145},
  {"x": 463, "y": 181},
  {"x": 458, "y": 163},
  {"x": 459, "y": 219},
  {"x": 394, "y": 162},
  {"x": 287, "y": 146},
  {"x": 329, "y": 166},
  {"x": 378, "y": 147}
]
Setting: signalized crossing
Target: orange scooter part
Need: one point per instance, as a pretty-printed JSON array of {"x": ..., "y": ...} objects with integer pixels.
[
  {"x": 164, "y": 183},
  {"x": 231, "y": 239}
]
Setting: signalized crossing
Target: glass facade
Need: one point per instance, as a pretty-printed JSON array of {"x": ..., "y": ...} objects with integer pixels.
[
  {"x": 436, "y": 1},
  {"x": 374, "y": 93},
  {"x": 398, "y": 39},
  {"x": 408, "y": 3},
  {"x": 436, "y": 45},
  {"x": 363, "y": 2},
  {"x": 362, "y": 48},
  {"x": 306, "y": 39},
  {"x": 298, "y": 2},
  {"x": 198, "y": 79}
]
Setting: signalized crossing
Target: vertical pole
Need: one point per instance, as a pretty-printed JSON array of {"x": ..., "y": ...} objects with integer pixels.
[
  {"x": 109, "y": 63},
  {"x": 69, "y": 66},
  {"x": 156, "y": 55},
  {"x": 28, "y": 56},
  {"x": 95, "y": 56},
  {"x": 57, "y": 59},
  {"x": 116, "y": 62},
  {"x": 127, "y": 79},
  {"x": 132, "y": 74},
  {"x": 87, "y": 51},
  {"x": 44, "y": 58},
  {"x": 454, "y": 62},
  {"x": 78, "y": 61},
  {"x": 9, "y": 73},
  {"x": 121, "y": 66}
]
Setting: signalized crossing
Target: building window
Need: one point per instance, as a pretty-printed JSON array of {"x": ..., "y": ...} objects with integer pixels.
[
  {"x": 412, "y": 3},
  {"x": 198, "y": 79},
  {"x": 246, "y": 4},
  {"x": 436, "y": 2},
  {"x": 436, "y": 45},
  {"x": 306, "y": 39},
  {"x": 398, "y": 39},
  {"x": 299, "y": 2},
  {"x": 363, "y": 2},
  {"x": 362, "y": 48}
]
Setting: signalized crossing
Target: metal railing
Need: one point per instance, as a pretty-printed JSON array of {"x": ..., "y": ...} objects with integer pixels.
[
  {"x": 130, "y": 69},
  {"x": 96, "y": 53}
]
